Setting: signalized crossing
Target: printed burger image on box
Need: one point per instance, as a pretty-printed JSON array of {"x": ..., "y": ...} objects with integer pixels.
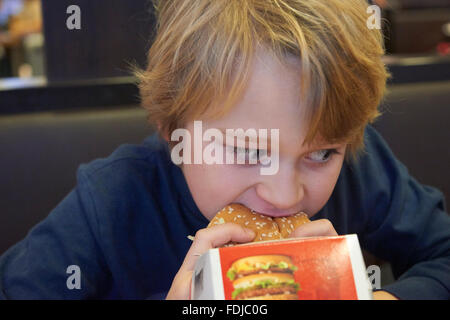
[{"x": 319, "y": 268}]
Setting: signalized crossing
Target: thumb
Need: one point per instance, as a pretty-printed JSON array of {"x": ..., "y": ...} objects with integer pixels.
[{"x": 214, "y": 237}]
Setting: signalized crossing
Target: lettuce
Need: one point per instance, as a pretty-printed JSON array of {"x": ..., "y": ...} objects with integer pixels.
[
  {"x": 236, "y": 292},
  {"x": 231, "y": 274}
]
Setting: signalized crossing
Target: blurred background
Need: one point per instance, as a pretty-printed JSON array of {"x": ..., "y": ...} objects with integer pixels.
[{"x": 67, "y": 96}]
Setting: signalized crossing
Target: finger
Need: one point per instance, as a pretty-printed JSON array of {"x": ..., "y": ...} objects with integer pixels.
[
  {"x": 322, "y": 227},
  {"x": 214, "y": 237}
]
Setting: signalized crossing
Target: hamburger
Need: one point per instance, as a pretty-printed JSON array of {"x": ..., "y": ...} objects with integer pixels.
[
  {"x": 265, "y": 227},
  {"x": 263, "y": 277}
]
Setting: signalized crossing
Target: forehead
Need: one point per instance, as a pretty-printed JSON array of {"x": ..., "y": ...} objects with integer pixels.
[{"x": 271, "y": 100}]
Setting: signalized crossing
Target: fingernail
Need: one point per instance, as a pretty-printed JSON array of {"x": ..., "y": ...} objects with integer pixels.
[{"x": 250, "y": 232}]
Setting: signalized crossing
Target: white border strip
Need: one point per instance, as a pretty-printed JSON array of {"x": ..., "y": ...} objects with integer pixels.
[
  {"x": 216, "y": 274},
  {"x": 360, "y": 278}
]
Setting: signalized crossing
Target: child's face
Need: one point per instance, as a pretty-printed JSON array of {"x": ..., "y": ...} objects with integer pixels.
[{"x": 306, "y": 176}]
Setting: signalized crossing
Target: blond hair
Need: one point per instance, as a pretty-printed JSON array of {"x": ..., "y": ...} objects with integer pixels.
[{"x": 203, "y": 52}]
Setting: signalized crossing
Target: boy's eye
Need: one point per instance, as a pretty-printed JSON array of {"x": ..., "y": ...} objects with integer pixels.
[
  {"x": 245, "y": 155},
  {"x": 323, "y": 155}
]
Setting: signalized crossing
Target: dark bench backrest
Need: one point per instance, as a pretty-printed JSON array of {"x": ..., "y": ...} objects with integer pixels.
[{"x": 41, "y": 152}]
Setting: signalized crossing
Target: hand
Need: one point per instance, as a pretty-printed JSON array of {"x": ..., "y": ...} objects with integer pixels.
[
  {"x": 204, "y": 240},
  {"x": 383, "y": 295},
  {"x": 322, "y": 227}
]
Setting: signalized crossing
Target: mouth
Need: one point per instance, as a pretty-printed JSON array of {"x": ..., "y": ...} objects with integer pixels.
[{"x": 275, "y": 213}]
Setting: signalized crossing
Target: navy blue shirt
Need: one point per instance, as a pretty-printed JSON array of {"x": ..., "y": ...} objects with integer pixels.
[{"x": 125, "y": 226}]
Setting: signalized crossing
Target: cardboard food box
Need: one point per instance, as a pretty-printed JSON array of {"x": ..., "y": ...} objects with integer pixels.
[{"x": 319, "y": 268}]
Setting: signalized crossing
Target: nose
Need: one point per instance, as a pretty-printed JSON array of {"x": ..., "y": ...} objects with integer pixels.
[{"x": 283, "y": 190}]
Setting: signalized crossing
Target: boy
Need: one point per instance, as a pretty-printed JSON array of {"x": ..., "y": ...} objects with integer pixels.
[{"x": 310, "y": 69}]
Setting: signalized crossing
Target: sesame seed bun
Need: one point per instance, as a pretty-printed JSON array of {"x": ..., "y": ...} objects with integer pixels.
[
  {"x": 250, "y": 281},
  {"x": 269, "y": 263},
  {"x": 265, "y": 227}
]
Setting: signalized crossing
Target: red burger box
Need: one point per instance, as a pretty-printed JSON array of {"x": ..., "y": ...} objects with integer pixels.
[{"x": 320, "y": 268}]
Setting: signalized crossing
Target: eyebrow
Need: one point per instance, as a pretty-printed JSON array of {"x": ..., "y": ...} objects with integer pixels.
[
  {"x": 259, "y": 139},
  {"x": 315, "y": 146},
  {"x": 325, "y": 145}
]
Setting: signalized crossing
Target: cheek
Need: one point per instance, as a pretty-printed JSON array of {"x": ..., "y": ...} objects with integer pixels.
[
  {"x": 320, "y": 186},
  {"x": 214, "y": 186}
]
